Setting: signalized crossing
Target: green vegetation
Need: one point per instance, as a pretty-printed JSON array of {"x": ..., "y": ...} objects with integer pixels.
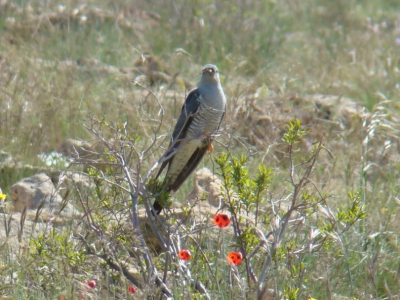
[{"x": 308, "y": 158}]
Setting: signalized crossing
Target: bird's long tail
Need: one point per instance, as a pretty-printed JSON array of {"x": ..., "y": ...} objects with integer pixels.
[
  {"x": 157, "y": 207},
  {"x": 161, "y": 201}
]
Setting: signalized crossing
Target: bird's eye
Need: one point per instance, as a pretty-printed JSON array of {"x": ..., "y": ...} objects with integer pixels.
[{"x": 211, "y": 70}]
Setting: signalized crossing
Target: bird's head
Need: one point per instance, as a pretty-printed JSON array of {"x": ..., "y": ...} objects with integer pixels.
[{"x": 210, "y": 73}]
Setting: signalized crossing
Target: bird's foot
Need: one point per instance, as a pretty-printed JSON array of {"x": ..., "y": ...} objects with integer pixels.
[{"x": 210, "y": 148}]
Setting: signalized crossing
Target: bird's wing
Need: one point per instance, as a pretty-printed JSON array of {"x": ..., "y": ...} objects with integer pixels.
[
  {"x": 222, "y": 118},
  {"x": 189, "y": 110},
  {"x": 193, "y": 162}
]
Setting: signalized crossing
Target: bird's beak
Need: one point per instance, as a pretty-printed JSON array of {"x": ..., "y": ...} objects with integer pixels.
[{"x": 209, "y": 71}]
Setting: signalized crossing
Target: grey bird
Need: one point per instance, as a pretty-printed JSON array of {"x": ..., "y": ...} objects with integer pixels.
[{"x": 200, "y": 118}]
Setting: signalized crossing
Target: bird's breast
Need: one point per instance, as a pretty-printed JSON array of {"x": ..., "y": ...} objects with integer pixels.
[{"x": 206, "y": 121}]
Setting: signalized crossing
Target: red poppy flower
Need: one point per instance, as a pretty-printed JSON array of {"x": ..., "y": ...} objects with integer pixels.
[
  {"x": 131, "y": 289},
  {"x": 91, "y": 283},
  {"x": 184, "y": 254},
  {"x": 234, "y": 258},
  {"x": 222, "y": 220}
]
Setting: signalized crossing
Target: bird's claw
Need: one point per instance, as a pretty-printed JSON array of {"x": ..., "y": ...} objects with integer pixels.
[{"x": 210, "y": 148}]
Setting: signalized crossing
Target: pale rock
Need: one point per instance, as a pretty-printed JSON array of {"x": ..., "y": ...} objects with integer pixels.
[
  {"x": 34, "y": 190},
  {"x": 206, "y": 183}
]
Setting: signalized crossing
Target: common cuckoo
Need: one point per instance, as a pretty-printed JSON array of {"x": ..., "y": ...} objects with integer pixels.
[{"x": 200, "y": 118}]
